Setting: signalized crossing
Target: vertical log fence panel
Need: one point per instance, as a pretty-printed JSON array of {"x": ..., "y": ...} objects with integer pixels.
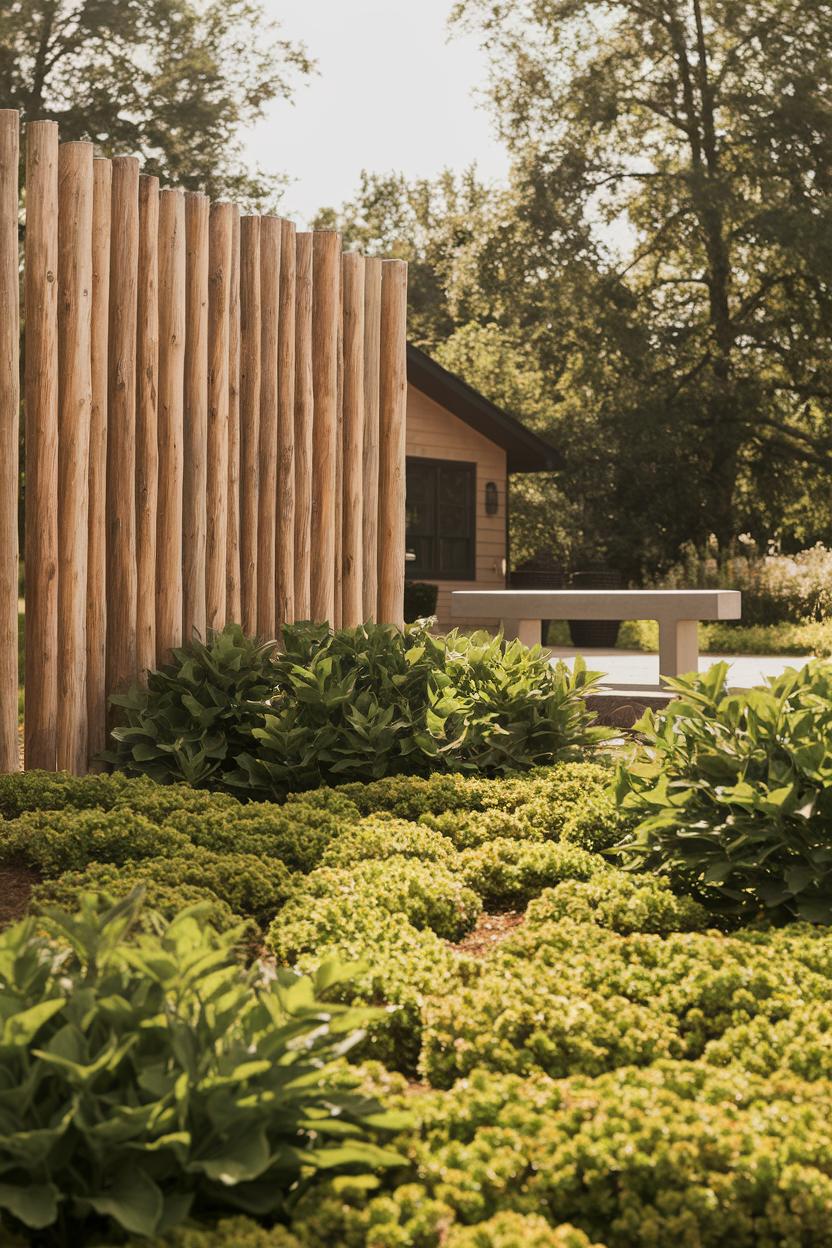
[
  {"x": 147, "y": 430},
  {"x": 352, "y": 536},
  {"x": 267, "y": 497},
  {"x": 285, "y": 520},
  {"x": 121, "y": 426},
  {"x": 172, "y": 284},
  {"x": 219, "y": 288},
  {"x": 249, "y": 417},
  {"x": 233, "y": 593},
  {"x": 304, "y": 412},
  {"x": 75, "y": 196},
  {"x": 215, "y": 424},
  {"x": 41, "y": 390},
  {"x": 392, "y": 413},
  {"x": 9, "y": 416},
  {"x": 195, "y": 432},
  {"x": 97, "y": 515},
  {"x": 372, "y": 342},
  {"x": 326, "y": 274}
]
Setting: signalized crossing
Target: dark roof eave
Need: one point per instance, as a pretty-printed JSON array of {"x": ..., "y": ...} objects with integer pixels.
[{"x": 525, "y": 451}]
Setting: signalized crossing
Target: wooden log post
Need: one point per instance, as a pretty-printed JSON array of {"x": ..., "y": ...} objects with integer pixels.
[
  {"x": 41, "y": 389},
  {"x": 9, "y": 418},
  {"x": 195, "y": 430},
  {"x": 147, "y": 432},
  {"x": 270, "y": 237},
  {"x": 121, "y": 426},
  {"x": 304, "y": 410},
  {"x": 102, "y": 190},
  {"x": 75, "y": 195},
  {"x": 233, "y": 594},
  {"x": 172, "y": 285},
  {"x": 392, "y": 415},
  {"x": 219, "y": 288},
  {"x": 339, "y": 462},
  {"x": 249, "y": 417},
  {"x": 285, "y": 521},
  {"x": 326, "y": 272},
  {"x": 352, "y": 274},
  {"x": 372, "y": 342}
]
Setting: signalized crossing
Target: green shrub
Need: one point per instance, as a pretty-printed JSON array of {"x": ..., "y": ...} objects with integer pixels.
[
  {"x": 385, "y": 836},
  {"x": 394, "y": 964},
  {"x": 468, "y": 829},
  {"x": 197, "y": 713},
  {"x": 146, "y": 1081},
  {"x": 620, "y": 902},
  {"x": 506, "y": 874},
  {"x": 54, "y": 790},
  {"x": 162, "y": 899},
  {"x": 362, "y": 703},
  {"x": 515, "y": 1020},
  {"x": 428, "y": 895},
  {"x": 53, "y": 841},
  {"x": 248, "y": 885},
  {"x": 801, "y": 1043},
  {"x": 734, "y": 793},
  {"x": 297, "y": 833},
  {"x": 419, "y": 600},
  {"x": 227, "y": 1233},
  {"x": 517, "y": 1230}
]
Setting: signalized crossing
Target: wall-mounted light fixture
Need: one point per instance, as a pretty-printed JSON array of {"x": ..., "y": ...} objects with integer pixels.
[{"x": 492, "y": 498}]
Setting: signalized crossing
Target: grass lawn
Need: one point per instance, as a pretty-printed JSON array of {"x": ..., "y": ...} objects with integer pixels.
[{"x": 809, "y": 637}]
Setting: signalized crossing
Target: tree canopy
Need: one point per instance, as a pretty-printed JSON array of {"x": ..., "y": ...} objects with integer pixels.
[
  {"x": 661, "y": 260},
  {"x": 171, "y": 80}
]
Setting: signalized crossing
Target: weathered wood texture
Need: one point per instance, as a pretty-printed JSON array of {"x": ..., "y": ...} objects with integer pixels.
[{"x": 214, "y": 433}]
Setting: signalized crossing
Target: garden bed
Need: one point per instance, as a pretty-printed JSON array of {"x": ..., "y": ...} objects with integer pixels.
[{"x": 595, "y": 1063}]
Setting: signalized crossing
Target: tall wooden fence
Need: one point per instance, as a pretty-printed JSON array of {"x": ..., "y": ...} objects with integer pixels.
[{"x": 214, "y": 424}]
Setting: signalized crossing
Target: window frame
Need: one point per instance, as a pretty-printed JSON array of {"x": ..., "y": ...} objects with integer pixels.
[{"x": 436, "y": 463}]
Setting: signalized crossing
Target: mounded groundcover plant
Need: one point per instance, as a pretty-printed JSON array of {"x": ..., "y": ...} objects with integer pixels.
[
  {"x": 354, "y": 704},
  {"x": 583, "y": 1058}
]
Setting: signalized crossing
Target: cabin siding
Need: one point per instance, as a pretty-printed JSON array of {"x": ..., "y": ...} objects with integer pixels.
[{"x": 435, "y": 433}]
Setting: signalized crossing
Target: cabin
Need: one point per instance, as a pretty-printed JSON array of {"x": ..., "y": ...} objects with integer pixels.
[{"x": 461, "y": 451}]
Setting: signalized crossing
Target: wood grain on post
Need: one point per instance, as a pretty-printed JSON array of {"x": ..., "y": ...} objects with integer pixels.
[
  {"x": 195, "y": 429},
  {"x": 219, "y": 287},
  {"x": 372, "y": 340},
  {"x": 339, "y": 464},
  {"x": 233, "y": 594},
  {"x": 326, "y": 315},
  {"x": 74, "y": 403},
  {"x": 121, "y": 426},
  {"x": 392, "y": 414},
  {"x": 147, "y": 434},
  {"x": 249, "y": 417},
  {"x": 285, "y": 523},
  {"x": 41, "y": 387},
  {"x": 171, "y": 421},
  {"x": 304, "y": 409},
  {"x": 9, "y": 417},
  {"x": 352, "y": 537},
  {"x": 270, "y": 235},
  {"x": 97, "y": 517}
]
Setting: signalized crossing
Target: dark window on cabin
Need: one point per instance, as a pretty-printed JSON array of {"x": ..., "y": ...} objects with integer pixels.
[{"x": 441, "y": 520}]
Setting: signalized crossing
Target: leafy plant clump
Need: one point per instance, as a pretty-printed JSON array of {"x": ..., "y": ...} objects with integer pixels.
[
  {"x": 733, "y": 793},
  {"x": 149, "y": 1080},
  {"x": 352, "y": 704}
]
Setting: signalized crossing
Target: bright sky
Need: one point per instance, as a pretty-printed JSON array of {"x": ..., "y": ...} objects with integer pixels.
[{"x": 392, "y": 92}]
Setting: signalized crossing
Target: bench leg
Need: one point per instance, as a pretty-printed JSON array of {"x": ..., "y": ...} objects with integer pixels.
[
  {"x": 678, "y": 647},
  {"x": 527, "y": 631}
]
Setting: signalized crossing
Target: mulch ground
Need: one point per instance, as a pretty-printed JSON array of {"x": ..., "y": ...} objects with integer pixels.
[
  {"x": 16, "y": 884},
  {"x": 489, "y": 931}
]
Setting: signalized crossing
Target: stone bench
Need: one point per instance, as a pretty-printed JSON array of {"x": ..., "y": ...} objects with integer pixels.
[{"x": 677, "y": 611}]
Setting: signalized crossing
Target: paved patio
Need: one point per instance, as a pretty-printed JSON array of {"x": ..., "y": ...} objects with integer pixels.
[{"x": 632, "y": 669}]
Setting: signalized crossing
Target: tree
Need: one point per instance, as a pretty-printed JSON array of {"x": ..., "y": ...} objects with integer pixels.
[
  {"x": 698, "y": 134},
  {"x": 171, "y": 80}
]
